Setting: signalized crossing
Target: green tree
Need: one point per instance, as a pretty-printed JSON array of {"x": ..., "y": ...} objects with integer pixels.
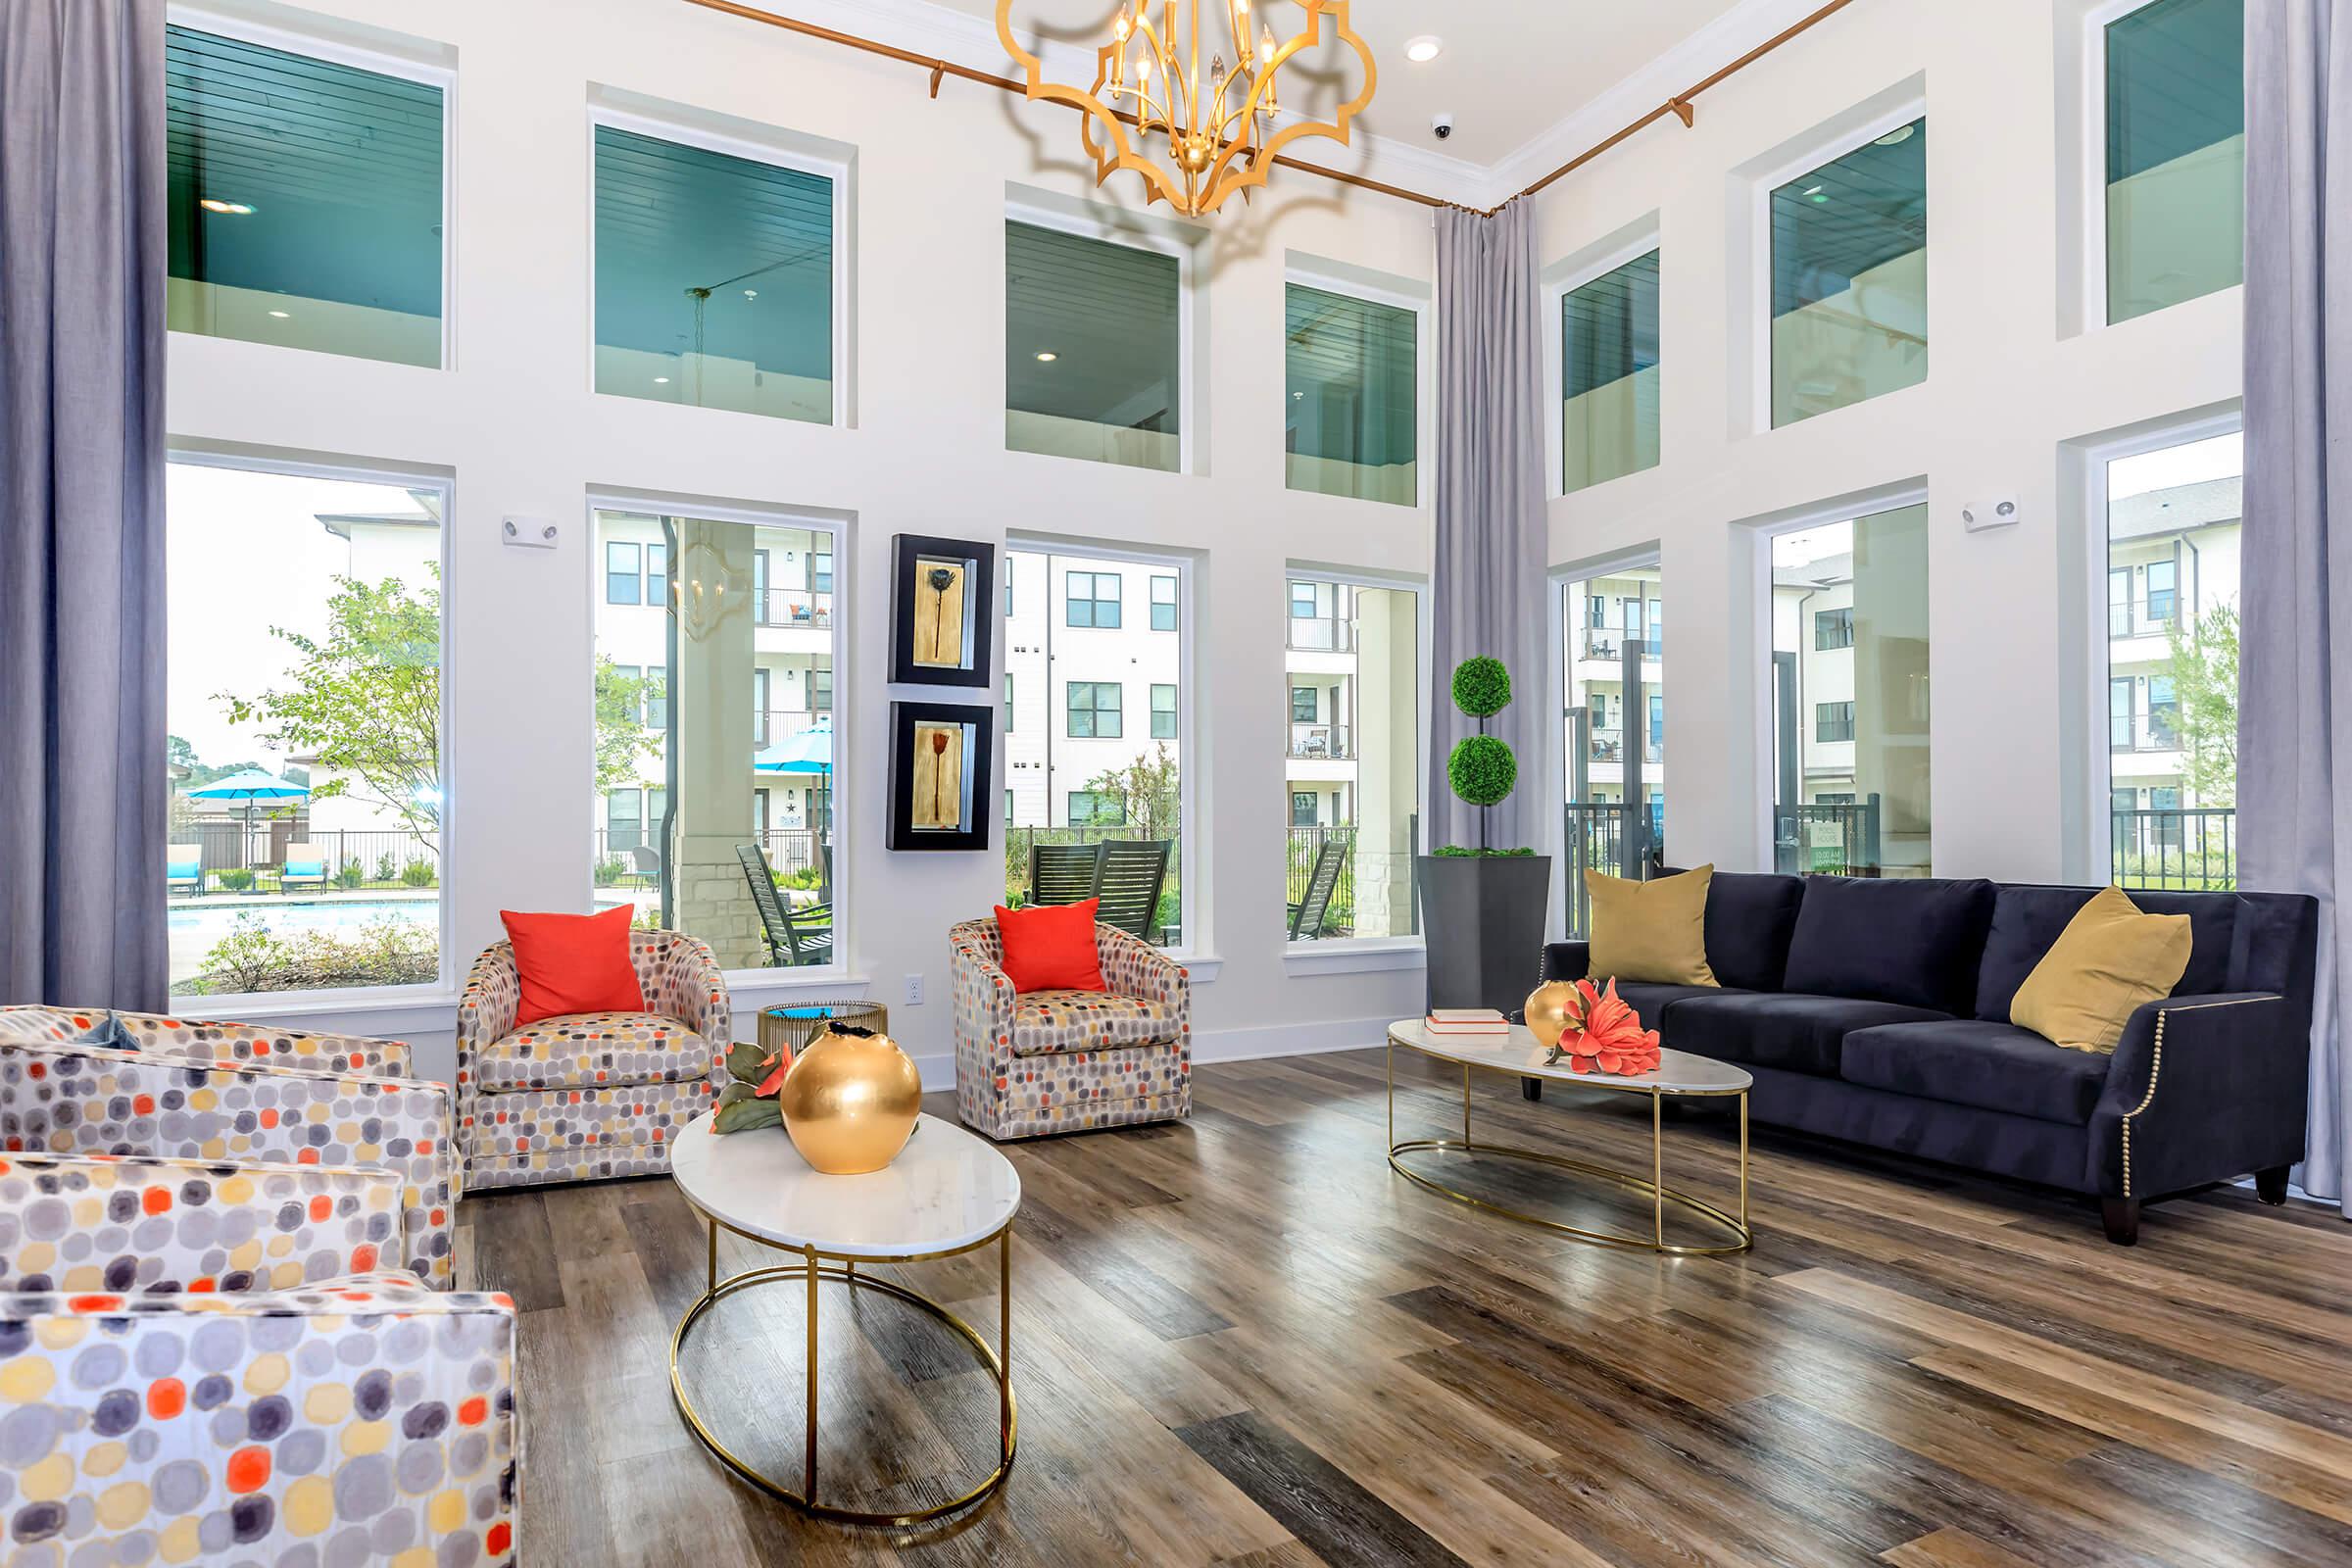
[
  {"x": 364, "y": 704},
  {"x": 1147, "y": 790},
  {"x": 2204, "y": 673}
]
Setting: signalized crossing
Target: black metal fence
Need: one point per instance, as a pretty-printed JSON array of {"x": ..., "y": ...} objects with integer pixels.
[
  {"x": 1299, "y": 866},
  {"x": 234, "y": 855},
  {"x": 2184, "y": 848},
  {"x": 1827, "y": 838}
]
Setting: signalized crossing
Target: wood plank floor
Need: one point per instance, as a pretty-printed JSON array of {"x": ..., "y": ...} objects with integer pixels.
[{"x": 1242, "y": 1340}]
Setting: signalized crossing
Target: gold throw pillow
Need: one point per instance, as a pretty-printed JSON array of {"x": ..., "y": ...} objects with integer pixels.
[
  {"x": 2108, "y": 962},
  {"x": 1653, "y": 931}
]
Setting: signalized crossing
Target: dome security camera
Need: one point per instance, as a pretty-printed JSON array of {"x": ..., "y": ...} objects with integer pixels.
[{"x": 1442, "y": 126}]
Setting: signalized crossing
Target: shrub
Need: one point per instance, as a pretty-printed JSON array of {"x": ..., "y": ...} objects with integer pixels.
[
  {"x": 350, "y": 874},
  {"x": 234, "y": 878},
  {"x": 385, "y": 952},
  {"x": 610, "y": 870},
  {"x": 387, "y": 869},
  {"x": 417, "y": 873}
]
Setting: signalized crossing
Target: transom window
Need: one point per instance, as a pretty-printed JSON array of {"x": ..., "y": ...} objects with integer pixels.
[
  {"x": 1092, "y": 349},
  {"x": 1849, "y": 277},
  {"x": 1609, "y": 375},
  {"x": 2176, "y": 153},
  {"x": 1349, "y": 419}
]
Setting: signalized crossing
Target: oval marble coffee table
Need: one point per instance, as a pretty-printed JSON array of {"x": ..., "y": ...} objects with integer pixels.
[
  {"x": 947, "y": 1192},
  {"x": 1518, "y": 1056}
]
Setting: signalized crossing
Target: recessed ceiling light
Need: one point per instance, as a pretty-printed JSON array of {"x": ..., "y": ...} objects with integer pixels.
[
  {"x": 1812, "y": 191},
  {"x": 282, "y": 314},
  {"x": 213, "y": 204},
  {"x": 1047, "y": 356},
  {"x": 1424, "y": 49},
  {"x": 660, "y": 380},
  {"x": 1896, "y": 136},
  {"x": 751, "y": 293}
]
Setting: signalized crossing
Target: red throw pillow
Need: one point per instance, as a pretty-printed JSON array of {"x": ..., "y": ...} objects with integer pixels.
[
  {"x": 1051, "y": 947},
  {"x": 574, "y": 964}
]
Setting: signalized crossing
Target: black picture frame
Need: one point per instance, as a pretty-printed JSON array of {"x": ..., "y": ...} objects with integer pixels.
[
  {"x": 918, "y": 799},
  {"x": 917, "y": 601}
]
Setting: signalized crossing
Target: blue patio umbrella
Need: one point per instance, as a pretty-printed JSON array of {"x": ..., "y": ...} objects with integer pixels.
[
  {"x": 809, "y": 752},
  {"x": 249, "y": 786}
]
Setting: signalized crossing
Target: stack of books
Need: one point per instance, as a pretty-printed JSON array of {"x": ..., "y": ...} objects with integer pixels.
[{"x": 1454, "y": 1022}]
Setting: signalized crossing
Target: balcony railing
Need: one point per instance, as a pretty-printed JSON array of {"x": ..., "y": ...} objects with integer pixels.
[
  {"x": 1608, "y": 746},
  {"x": 1601, "y": 643},
  {"x": 782, "y": 723},
  {"x": 2143, "y": 617},
  {"x": 791, "y": 606},
  {"x": 2187, "y": 849},
  {"x": 2146, "y": 733},
  {"x": 1322, "y": 634},
  {"x": 1323, "y": 742}
]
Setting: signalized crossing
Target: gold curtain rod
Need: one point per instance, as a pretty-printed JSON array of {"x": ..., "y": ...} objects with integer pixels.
[{"x": 1678, "y": 106}]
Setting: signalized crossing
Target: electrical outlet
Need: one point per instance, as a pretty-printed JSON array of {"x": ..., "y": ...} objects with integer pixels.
[{"x": 914, "y": 991}]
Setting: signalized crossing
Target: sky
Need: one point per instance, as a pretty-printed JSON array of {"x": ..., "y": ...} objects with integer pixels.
[
  {"x": 2221, "y": 456},
  {"x": 245, "y": 552}
]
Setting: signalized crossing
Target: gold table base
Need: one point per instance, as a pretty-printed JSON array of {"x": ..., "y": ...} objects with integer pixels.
[
  {"x": 1654, "y": 1185},
  {"x": 814, "y": 1267}
]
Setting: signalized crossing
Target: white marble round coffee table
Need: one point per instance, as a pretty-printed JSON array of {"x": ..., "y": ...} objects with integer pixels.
[
  {"x": 947, "y": 1192},
  {"x": 1517, "y": 1054}
]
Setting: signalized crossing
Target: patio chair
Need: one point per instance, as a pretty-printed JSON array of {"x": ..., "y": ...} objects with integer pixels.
[
  {"x": 1131, "y": 873},
  {"x": 1322, "y": 879},
  {"x": 1064, "y": 873},
  {"x": 792, "y": 942},
  {"x": 183, "y": 867},
  {"x": 646, "y": 861},
  {"x": 305, "y": 866}
]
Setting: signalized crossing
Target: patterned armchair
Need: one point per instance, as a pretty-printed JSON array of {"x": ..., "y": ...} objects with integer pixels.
[
  {"x": 1061, "y": 1061},
  {"x": 220, "y": 1336},
  {"x": 588, "y": 1096}
]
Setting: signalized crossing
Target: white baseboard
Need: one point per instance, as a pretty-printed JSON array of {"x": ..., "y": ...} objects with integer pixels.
[{"x": 1257, "y": 1043}]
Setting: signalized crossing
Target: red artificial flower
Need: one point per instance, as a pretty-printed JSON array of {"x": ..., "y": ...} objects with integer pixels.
[
  {"x": 782, "y": 1063},
  {"x": 1606, "y": 1035}
]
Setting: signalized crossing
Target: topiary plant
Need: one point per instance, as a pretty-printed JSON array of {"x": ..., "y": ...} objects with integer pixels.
[
  {"x": 1482, "y": 687},
  {"x": 1482, "y": 768}
]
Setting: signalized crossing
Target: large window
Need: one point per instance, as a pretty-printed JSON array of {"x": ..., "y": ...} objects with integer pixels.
[
  {"x": 304, "y": 745},
  {"x": 1849, "y": 277},
  {"x": 1349, "y": 417},
  {"x": 714, "y": 278},
  {"x": 2176, "y": 153},
  {"x": 2171, "y": 664},
  {"x": 1078, "y": 773},
  {"x": 1609, "y": 375},
  {"x": 1614, "y": 685},
  {"x": 1352, "y": 771},
  {"x": 1849, "y": 754},
  {"x": 305, "y": 200},
  {"x": 714, "y": 736},
  {"x": 1092, "y": 349}
]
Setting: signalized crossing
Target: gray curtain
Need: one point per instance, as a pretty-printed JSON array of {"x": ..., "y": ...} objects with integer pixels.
[
  {"x": 83, "y": 251},
  {"x": 2294, "y": 726},
  {"x": 1488, "y": 577}
]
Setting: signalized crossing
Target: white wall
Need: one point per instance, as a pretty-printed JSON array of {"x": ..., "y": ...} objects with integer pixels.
[
  {"x": 2009, "y": 610},
  {"x": 514, "y": 422}
]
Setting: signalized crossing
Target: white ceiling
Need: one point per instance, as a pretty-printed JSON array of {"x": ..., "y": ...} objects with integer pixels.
[{"x": 1510, "y": 69}]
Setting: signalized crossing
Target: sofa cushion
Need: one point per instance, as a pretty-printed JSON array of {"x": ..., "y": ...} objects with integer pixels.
[
  {"x": 1798, "y": 1033},
  {"x": 1969, "y": 1061},
  {"x": 2026, "y": 920},
  {"x": 1914, "y": 941},
  {"x": 1750, "y": 918},
  {"x": 582, "y": 1049},
  {"x": 1653, "y": 931},
  {"x": 1053, "y": 1023},
  {"x": 1654, "y": 1003},
  {"x": 2111, "y": 960}
]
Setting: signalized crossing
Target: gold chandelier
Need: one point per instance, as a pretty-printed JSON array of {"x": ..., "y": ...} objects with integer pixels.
[{"x": 1217, "y": 133}]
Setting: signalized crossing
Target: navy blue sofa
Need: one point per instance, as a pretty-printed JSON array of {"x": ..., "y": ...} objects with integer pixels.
[{"x": 1878, "y": 1012}]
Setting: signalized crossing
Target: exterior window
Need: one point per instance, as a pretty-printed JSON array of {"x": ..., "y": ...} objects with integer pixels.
[
  {"x": 657, "y": 574},
  {"x": 1851, "y": 722},
  {"x": 621, "y": 580},
  {"x": 1349, "y": 420},
  {"x": 1352, "y": 764},
  {"x": 305, "y": 201},
  {"x": 1008, "y": 807},
  {"x": 714, "y": 278},
  {"x": 1092, "y": 349},
  {"x": 2172, "y": 526},
  {"x": 1833, "y": 629},
  {"x": 305, "y": 743},
  {"x": 820, "y": 571},
  {"x": 754, "y": 690},
  {"x": 760, "y": 585},
  {"x": 1009, "y": 704},
  {"x": 1094, "y": 709},
  {"x": 1008, "y": 586},
  {"x": 1614, "y": 681},
  {"x": 1849, "y": 277},
  {"x": 1095, "y": 808},
  {"x": 1163, "y": 604},
  {"x": 1610, "y": 376},
  {"x": 1163, "y": 713},
  {"x": 2176, "y": 154},
  {"x": 1093, "y": 598}
]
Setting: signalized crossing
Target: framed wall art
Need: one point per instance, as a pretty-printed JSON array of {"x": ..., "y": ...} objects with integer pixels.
[
  {"x": 940, "y": 778},
  {"x": 940, "y": 599}
]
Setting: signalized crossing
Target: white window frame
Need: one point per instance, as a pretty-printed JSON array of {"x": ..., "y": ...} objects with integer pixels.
[
  {"x": 261, "y": 1005},
  {"x": 1562, "y": 278},
  {"x": 1364, "y": 954},
  {"x": 1350, "y": 283},
  {"x": 1191, "y": 787},
  {"x": 385, "y": 62},
  {"x": 776, "y": 154},
  {"x": 753, "y": 988},
  {"x": 1109, "y": 227}
]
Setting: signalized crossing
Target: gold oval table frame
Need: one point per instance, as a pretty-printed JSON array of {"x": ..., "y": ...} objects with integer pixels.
[
  {"x": 1654, "y": 1185},
  {"x": 817, "y": 1266}
]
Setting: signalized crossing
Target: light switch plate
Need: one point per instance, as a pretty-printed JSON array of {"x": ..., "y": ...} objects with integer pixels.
[{"x": 529, "y": 533}]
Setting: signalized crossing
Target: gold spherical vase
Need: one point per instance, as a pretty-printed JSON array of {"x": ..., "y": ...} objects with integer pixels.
[
  {"x": 1547, "y": 1011},
  {"x": 851, "y": 1100}
]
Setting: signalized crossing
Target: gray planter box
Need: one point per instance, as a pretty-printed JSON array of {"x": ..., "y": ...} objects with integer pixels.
[{"x": 1484, "y": 922}]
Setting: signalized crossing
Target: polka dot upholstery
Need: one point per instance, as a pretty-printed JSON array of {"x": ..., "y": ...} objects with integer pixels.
[
  {"x": 588, "y": 1097},
  {"x": 157, "y": 1035},
  {"x": 1058, "y": 1061}
]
